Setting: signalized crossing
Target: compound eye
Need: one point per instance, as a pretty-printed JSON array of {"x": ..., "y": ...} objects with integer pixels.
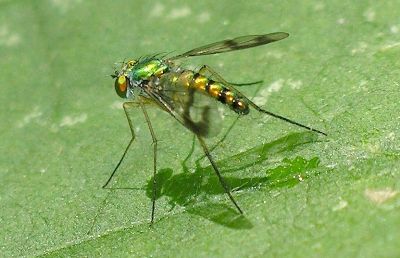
[{"x": 121, "y": 85}]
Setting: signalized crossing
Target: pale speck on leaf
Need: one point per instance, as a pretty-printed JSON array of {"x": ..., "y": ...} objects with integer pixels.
[
  {"x": 226, "y": 22},
  {"x": 265, "y": 93},
  {"x": 32, "y": 116},
  {"x": 64, "y": 5},
  {"x": 341, "y": 21},
  {"x": 390, "y": 46},
  {"x": 275, "y": 54},
  {"x": 157, "y": 10},
  {"x": 73, "y": 120},
  {"x": 319, "y": 6},
  {"x": 8, "y": 38},
  {"x": 394, "y": 29},
  {"x": 361, "y": 47},
  {"x": 369, "y": 15},
  {"x": 117, "y": 105},
  {"x": 221, "y": 112},
  {"x": 203, "y": 17},
  {"x": 179, "y": 12},
  {"x": 295, "y": 84},
  {"x": 391, "y": 136},
  {"x": 380, "y": 196},
  {"x": 331, "y": 166},
  {"x": 341, "y": 205},
  {"x": 363, "y": 83}
]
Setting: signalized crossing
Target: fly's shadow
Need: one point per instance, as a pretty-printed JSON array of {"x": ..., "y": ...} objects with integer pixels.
[{"x": 195, "y": 190}]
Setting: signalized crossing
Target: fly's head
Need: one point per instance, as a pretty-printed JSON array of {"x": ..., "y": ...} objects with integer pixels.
[{"x": 123, "y": 86}]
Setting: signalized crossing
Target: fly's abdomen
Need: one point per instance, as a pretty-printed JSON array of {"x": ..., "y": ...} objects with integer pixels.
[
  {"x": 209, "y": 87},
  {"x": 221, "y": 93}
]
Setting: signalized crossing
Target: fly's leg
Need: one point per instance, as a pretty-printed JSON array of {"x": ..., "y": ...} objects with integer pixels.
[
  {"x": 245, "y": 83},
  {"x": 220, "y": 178},
  {"x": 191, "y": 151},
  {"x": 154, "y": 139},
  {"x": 216, "y": 144},
  {"x": 206, "y": 68},
  {"x": 126, "y": 106},
  {"x": 203, "y": 71}
]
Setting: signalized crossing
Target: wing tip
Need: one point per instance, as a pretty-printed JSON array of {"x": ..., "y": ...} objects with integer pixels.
[{"x": 279, "y": 35}]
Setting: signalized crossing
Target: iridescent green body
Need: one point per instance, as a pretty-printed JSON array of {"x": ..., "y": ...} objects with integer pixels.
[
  {"x": 158, "y": 73},
  {"x": 145, "y": 69}
]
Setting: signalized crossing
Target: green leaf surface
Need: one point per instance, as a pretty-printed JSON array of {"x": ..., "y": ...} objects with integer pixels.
[{"x": 63, "y": 130}]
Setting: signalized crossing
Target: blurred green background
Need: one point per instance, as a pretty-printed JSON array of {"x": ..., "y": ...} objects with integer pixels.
[{"x": 62, "y": 131}]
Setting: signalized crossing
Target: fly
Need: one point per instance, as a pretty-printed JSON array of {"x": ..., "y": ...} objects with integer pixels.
[{"x": 186, "y": 96}]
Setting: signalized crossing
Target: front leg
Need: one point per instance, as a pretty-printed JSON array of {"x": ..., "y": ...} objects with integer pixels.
[{"x": 126, "y": 106}]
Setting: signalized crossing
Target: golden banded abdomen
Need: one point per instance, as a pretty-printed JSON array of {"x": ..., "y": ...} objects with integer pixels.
[{"x": 216, "y": 90}]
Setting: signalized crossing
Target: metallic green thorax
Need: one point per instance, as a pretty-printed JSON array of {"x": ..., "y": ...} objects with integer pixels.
[{"x": 147, "y": 68}]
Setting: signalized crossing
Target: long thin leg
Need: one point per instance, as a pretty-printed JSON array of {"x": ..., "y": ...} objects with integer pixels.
[
  {"x": 216, "y": 144},
  {"x": 245, "y": 83},
  {"x": 154, "y": 139},
  {"x": 220, "y": 178},
  {"x": 185, "y": 168},
  {"x": 222, "y": 80},
  {"x": 202, "y": 72},
  {"x": 126, "y": 106}
]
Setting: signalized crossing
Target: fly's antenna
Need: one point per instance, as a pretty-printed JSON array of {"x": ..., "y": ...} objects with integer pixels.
[{"x": 120, "y": 63}]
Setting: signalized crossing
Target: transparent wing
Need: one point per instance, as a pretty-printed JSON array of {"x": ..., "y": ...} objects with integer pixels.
[
  {"x": 198, "y": 112},
  {"x": 234, "y": 44}
]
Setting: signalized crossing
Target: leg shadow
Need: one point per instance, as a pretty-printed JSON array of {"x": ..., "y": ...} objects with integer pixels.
[{"x": 191, "y": 189}]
